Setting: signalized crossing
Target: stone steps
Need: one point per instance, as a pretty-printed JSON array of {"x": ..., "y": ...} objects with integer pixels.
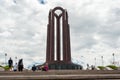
[
  {"x": 58, "y": 72},
  {"x": 62, "y": 75}
]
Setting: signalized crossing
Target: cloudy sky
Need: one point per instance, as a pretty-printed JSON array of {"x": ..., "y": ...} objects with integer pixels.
[{"x": 94, "y": 26}]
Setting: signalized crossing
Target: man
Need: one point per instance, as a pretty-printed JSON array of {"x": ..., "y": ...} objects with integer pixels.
[
  {"x": 10, "y": 62},
  {"x": 34, "y": 68}
]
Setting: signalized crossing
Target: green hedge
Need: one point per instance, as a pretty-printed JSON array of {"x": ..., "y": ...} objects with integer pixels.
[
  {"x": 101, "y": 67},
  {"x": 113, "y": 67},
  {"x": 6, "y": 68}
]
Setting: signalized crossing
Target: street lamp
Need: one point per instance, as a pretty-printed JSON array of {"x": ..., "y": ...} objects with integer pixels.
[
  {"x": 113, "y": 58},
  {"x": 5, "y": 58},
  {"x": 15, "y": 60},
  {"x": 102, "y": 60},
  {"x": 95, "y": 62}
]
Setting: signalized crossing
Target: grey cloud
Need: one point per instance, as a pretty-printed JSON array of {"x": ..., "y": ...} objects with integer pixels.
[{"x": 94, "y": 27}]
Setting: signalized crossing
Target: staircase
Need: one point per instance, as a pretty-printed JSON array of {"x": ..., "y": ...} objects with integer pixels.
[{"x": 62, "y": 75}]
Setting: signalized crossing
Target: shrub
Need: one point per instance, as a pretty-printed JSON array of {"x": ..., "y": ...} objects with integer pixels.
[
  {"x": 101, "y": 67},
  {"x": 113, "y": 67},
  {"x": 6, "y": 68}
]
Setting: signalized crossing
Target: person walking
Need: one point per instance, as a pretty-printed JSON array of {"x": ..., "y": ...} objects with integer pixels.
[
  {"x": 20, "y": 65},
  {"x": 15, "y": 67},
  {"x": 45, "y": 67},
  {"x": 33, "y": 68},
  {"x": 10, "y": 62}
]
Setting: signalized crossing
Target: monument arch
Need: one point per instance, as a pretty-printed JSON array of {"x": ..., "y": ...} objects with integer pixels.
[{"x": 58, "y": 40}]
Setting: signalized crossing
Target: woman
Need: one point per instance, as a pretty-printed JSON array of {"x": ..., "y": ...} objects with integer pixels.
[{"x": 20, "y": 65}]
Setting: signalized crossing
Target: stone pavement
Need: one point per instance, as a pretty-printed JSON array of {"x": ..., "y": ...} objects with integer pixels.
[{"x": 62, "y": 75}]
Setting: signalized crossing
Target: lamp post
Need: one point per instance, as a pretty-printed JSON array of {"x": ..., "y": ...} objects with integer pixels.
[
  {"x": 113, "y": 58},
  {"x": 5, "y": 58},
  {"x": 15, "y": 60},
  {"x": 102, "y": 60},
  {"x": 95, "y": 62}
]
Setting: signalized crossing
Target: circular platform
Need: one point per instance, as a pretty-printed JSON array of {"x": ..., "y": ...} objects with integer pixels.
[{"x": 62, "y": 65}]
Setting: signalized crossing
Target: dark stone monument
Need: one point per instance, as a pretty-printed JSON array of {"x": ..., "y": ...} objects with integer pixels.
[{"x": 58, "y": 52}]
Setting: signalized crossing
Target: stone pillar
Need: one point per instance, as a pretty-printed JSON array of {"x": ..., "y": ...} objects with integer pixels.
[
  {"x": 52, "y": 38},
  {"x": 68, "y": 40},
  {"x": 48, "y": 59},
  {"x": 68, "y": 45},
  {"x": 58, "y": 39},
  {"x": 48, "y": 44},
  {"x": 63, "y": 35}
]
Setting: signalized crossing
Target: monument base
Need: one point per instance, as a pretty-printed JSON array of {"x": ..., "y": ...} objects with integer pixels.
[{"x": 60, "y": 65}]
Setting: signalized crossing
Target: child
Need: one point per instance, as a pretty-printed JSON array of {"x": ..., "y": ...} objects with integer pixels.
[{"x": 15, "y": 67}]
